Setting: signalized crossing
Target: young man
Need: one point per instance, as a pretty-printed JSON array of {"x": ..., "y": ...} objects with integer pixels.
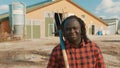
[{"x": 81, "y": 52}]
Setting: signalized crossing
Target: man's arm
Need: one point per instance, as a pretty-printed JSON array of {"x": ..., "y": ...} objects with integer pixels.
[
  {"x": 99, "y": 58},
  {"x": 53, "y": 61}
]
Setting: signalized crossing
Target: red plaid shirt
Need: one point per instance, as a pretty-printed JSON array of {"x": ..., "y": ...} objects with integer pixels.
[{"x": 86, "y": 56}]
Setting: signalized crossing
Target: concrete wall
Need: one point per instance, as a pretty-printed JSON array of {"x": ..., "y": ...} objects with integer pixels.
[{"x": 66, "y": 8}]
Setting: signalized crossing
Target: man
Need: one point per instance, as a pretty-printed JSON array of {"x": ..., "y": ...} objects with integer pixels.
[{"x": 81, "y": 52}]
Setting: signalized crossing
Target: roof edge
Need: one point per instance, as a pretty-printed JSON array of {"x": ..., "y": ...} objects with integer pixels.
[{"x": 87, "y": 12}]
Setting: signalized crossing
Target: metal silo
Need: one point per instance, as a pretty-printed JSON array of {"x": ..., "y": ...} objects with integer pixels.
[{"x": 17, "y": 19}]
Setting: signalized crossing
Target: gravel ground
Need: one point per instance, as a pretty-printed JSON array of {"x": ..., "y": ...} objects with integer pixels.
[{"x": 35, "y": 53}]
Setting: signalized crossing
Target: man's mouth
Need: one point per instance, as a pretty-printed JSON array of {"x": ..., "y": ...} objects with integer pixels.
[{"x": 72, "y": 36}]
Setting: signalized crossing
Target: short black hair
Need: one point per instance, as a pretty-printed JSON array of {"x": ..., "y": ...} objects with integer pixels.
[{"x": 82, "y": 25}]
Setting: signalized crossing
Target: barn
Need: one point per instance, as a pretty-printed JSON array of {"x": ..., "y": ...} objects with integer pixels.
[{"x": 40, "y": 18}]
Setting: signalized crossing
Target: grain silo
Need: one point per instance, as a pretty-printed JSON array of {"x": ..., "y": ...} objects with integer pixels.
[{"x": 17, "y": 19}]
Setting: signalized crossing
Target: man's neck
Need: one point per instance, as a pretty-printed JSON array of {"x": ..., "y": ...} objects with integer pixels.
[{"x": 77, "y": 43}]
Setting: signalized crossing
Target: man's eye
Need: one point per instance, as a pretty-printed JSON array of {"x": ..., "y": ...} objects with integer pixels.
[
  {"x": 68, "y": 29},
  {"x": 75, "y": 28}
]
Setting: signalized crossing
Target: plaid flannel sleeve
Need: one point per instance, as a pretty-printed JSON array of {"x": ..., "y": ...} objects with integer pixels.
[
  {"x": 99, "y": 58},
  {"x": 53, "y": 61}
]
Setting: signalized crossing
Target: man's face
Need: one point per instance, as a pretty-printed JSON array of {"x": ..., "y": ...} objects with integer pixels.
[{"x": 72, "y": 31}]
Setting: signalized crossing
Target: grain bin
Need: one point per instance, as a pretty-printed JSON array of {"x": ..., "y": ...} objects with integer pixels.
[{"x": 17, "y": 18}]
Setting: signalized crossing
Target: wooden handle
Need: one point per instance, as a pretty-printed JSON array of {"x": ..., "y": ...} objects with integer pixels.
[
  {"x": 65, "y": 58},
  {"x": 58, "y": 23}
]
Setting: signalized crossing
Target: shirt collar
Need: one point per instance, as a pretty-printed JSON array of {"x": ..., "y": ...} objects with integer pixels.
[{"x": 69, "y": 45}]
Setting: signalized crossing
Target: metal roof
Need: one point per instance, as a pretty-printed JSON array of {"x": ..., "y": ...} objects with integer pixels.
[
  {"x": 110, "y": 20},
  {"x": 49, "y": 2},
  {"x": 3, "y": 16}
]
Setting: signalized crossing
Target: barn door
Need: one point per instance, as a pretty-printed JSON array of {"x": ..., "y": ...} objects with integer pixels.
[{"x": 56, "y": 17}]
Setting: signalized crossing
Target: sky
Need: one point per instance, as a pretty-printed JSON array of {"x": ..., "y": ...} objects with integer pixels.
[{"x": 101, "y": 8}]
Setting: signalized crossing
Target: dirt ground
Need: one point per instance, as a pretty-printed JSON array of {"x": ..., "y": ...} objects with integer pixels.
[{"x": 35, "y": 53}]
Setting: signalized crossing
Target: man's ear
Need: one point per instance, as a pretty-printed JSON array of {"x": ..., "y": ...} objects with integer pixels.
[{"x": 63, "y": 33}]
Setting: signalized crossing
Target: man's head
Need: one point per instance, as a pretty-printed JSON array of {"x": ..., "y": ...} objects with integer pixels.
[{"x": 74, "y": 29}]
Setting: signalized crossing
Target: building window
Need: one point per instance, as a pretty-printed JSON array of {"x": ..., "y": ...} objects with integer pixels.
[
  {"x": 48, "y": 14},
  {"x": 83, "y": 17},
  {"x": 50, "y": 29}
]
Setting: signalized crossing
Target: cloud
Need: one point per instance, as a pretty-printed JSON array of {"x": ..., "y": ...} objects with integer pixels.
[
  {"x": 104, "y": 5},
  {"x": 109, "y": 9},
  {"x": 109, "y": 6},
  {"x": 4, "y": 7}
]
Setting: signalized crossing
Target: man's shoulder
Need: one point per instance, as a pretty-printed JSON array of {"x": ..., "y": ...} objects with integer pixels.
[
  {"x": 57, "y": 47},
  {"x": 92, "y": 43}
]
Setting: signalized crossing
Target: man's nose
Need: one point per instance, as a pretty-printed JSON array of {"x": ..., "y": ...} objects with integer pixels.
[{"x": 72, "y": 31}]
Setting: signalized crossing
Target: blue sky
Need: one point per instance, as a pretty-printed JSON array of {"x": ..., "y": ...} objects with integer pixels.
[{"x": 100, "y": 8}]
